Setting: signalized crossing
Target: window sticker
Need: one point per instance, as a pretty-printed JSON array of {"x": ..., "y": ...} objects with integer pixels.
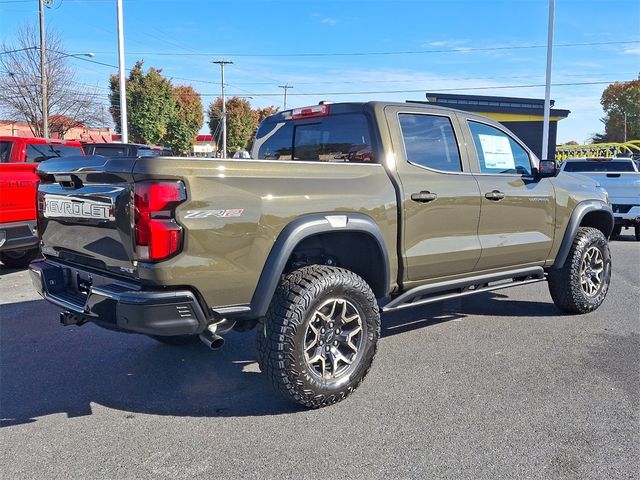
[{"x": 497, "y": 152}]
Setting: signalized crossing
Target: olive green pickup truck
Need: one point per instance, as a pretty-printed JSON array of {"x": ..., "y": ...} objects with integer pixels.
[{"x": 345, "y": 211}]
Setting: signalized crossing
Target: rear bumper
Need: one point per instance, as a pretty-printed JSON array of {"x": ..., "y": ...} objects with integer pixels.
[
  {"x": 18, "y": 236},
  {"x": 626, "y": 214},
  {"x": 118, "y": 305}
]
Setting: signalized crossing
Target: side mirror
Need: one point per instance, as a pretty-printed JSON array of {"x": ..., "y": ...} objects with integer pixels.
[{"x": 547, "y": 169}]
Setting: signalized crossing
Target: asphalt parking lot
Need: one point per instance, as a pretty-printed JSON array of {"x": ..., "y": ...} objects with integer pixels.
[{"x": 493, "y": 386}]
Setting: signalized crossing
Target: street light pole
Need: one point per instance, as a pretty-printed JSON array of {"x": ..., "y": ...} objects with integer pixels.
[
  {"x": 547, "y": 88},
  {"x": 124, "y": 132},
  {"x": 285, "y": 87},
  {"x": 222, "y": 63},
  {"x": 43, "y": 74}
]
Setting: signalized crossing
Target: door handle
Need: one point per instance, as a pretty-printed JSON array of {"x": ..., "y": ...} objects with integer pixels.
[
  {"x": 423, "y": 197},
  {"x": 494, "y": 195}
]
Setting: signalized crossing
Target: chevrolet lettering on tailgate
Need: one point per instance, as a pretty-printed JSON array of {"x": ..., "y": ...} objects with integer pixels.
[{"x": 56, "y": 206}]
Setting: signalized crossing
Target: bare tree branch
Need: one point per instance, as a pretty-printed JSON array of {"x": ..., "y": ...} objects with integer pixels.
[{"x": 70, "y": 105}]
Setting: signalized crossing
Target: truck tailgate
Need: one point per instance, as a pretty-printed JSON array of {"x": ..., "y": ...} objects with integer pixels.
[
  {"x": 622, "y": 187},
  {"x": 17, "y": 192},
  {"x": 85, "y": 212}
]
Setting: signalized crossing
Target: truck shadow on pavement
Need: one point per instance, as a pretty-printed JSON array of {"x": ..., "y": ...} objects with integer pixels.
[
  {"x": 48, "y": 369},
  {"x": 7, "y": 270},
  {"x": 484, "y": 304}
]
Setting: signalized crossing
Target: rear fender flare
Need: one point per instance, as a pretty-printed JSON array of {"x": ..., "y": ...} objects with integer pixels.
[{"x": 298, "y": 230}]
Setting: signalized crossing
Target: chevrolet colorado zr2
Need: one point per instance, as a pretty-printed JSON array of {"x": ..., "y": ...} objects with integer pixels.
[{"x": 344, "y": 211}]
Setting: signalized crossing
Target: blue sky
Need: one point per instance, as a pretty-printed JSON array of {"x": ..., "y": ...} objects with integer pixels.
[{"x": 454, "y": 45}]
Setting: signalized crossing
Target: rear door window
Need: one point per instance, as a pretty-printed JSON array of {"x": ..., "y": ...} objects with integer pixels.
[
  {"x": 5, "y": 152},
  {"x": 430, "y": 142},
  {"x": 337, "y": 138},
  {"x": 40, "y": 152}
]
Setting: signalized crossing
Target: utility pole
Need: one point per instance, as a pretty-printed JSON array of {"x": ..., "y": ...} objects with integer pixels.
[
  {"x": 124, "y": 132},
  {"x": 625, "y": 127},
  {"x": 222, "y": 63},
  {"x": 547, "y": 88},
  {"x": 285, "y": 87},
  {"x": 43, "y": 72}
]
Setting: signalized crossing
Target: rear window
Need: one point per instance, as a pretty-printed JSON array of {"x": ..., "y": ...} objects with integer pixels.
[
  {"x": 595, "y": 166},
  {"x": 5, "y": 152},
  {"x": 337, "y": 138},
  {"x": 153, "y": 152},
  {"x": 117, "y": 151},
  {"x": 40, "y": 153}
]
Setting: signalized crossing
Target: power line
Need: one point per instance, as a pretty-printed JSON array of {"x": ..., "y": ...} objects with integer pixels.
[
  {"x": 401, "y": 52},
  {"x": 378, "y": 92}
]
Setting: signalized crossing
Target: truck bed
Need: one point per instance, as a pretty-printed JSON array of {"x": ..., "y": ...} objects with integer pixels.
[{"x": 228, "y": 231}]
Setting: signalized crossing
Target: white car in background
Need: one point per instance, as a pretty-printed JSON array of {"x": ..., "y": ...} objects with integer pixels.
[{"x": 621, "y": 178}]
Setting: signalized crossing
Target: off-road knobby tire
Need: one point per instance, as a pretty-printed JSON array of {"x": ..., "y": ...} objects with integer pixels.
[
  {"x": 261, "y": 345},
  {"x": 617, "y": 230},
  {"x": 176, "y": 340},
  {"x": 19, "y": 259},
  {"x": 293, "y": 305},
  {"x": 564, "y": 283}
]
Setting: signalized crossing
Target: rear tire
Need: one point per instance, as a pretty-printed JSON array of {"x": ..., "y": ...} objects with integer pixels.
[
  {"x": 617, "y": 230},
  {"x": 176, "y": 340},
  {"x": 581, "y": 285},
  {"x": 637, "y": 230},
  {"x": 320, "y": 335},
  {"x": 19, "y": 258},
  {"x": 261, "y": 346}
]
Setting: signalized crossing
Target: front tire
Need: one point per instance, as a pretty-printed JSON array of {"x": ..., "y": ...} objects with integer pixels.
[
  {"x": 637, "y": 231},
  {"x": 582, "y": 283},
  {"x": 320, "y": 335},
  {"x": 19, "y": 258}
]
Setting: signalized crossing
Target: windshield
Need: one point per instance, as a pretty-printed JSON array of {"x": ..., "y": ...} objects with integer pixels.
[
  {"x": 42, "y": 152},
  {"x": 595, "y": 166}
]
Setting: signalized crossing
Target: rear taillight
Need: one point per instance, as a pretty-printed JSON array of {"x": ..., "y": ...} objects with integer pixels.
[{"x": 157, "y": 234}]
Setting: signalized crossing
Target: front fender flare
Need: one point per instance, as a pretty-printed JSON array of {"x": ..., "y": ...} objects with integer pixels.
[{"x": 578, "y": 214}]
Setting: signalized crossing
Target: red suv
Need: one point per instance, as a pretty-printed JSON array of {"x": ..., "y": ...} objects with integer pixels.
[{"x": 19, "y": 157}]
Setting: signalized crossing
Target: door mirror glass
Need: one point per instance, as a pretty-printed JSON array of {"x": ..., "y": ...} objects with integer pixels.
[{"x": 547, "y": 168}]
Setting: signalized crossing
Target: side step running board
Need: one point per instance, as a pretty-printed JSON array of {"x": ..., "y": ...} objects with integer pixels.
[{"x": 437, "y": 292}]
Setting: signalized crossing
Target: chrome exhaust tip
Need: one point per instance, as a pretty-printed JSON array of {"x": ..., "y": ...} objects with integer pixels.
[{"x": 211, "y": 340}]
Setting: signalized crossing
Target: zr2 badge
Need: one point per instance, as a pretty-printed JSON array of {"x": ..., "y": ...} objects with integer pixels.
[{"x": 234, "y": 212}]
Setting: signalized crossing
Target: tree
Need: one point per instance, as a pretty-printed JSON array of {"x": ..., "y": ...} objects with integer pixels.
[
  {"x": 70, "y": 103},
  {"x": 262, "y": 113},
  {"x": 240, "y": 122},
  {"x": 150, "y": 104},
  {"x": 621, "y": 103},
  {"x": 186, "y": 120},
  {"x": 158, "y": 111}
]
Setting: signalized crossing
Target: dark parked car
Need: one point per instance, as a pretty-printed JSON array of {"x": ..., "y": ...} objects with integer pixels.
[{"x": 126, "y": 150}]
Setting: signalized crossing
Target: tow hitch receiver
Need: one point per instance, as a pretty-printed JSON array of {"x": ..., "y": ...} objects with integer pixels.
[{"x": 68, "y": 318}]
